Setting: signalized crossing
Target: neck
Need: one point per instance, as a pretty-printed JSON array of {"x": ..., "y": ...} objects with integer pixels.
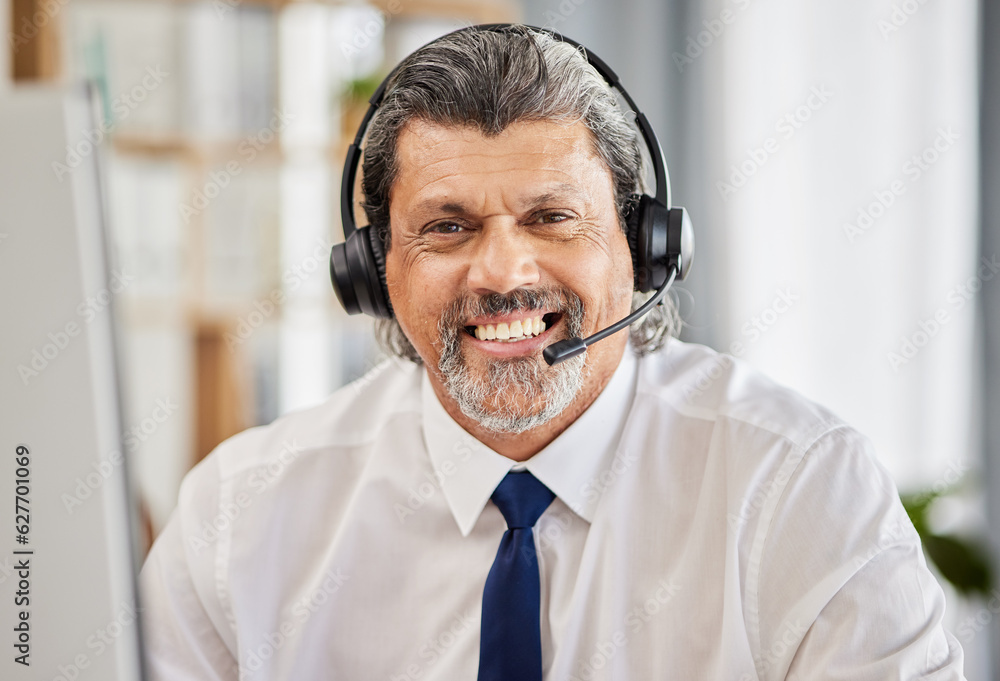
[{"x": 523, "y": 446}]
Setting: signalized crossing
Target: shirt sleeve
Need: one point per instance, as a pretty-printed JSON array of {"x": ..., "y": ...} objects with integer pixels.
[
  {"x": 843, "y": 590},
  {"x": 885, "y": 623},
  {"x": 183, "y": 622}
]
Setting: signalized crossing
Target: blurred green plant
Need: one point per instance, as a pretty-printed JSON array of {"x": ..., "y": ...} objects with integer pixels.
[
  {"x": 360, "y": 90},
  {"x": 963, "y": 561}
]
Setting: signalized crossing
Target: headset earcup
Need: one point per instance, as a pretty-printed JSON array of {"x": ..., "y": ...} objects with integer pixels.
[
  {"x": 632, "y": 218},
  {"x": 341, "y": 278},
  {"x": 680, "y": 240},
  {"x": 357, "y": 270},
  {"x": 658, "y": 238},
  {"x": 382, "y": 289},
  {"x": 649, "y": 257}
]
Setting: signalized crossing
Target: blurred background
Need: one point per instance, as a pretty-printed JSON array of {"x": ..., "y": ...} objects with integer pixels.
[{"x": 841, "y": 163}]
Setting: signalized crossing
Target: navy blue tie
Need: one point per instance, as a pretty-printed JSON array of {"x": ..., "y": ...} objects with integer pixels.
[{"x": 510, "y": 647}]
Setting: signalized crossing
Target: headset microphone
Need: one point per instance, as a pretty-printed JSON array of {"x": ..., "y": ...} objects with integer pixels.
[{"x": 562, "y": 350}]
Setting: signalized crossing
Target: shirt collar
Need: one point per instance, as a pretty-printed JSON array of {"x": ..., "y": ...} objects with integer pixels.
[{"x": 469, "y": 471}]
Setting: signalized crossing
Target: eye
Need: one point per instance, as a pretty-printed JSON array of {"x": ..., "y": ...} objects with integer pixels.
[
  {"x": 552, "y": 218},
  {"x": 445, "y": 228}
]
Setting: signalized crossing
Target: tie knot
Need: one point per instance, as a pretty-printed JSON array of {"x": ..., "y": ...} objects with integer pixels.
[{"x": 522, "y": 499}]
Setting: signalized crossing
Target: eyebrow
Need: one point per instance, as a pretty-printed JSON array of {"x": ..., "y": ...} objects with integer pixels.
[
  {"x": 559, "y": 191},
  {"x": 556, "y": 192}
]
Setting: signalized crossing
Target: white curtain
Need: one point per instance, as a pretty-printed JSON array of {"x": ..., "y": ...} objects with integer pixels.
[{"x": 855, "y": 126}]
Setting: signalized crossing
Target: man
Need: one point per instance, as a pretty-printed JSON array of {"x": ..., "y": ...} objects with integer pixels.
[{"x": 731, "y": 530}]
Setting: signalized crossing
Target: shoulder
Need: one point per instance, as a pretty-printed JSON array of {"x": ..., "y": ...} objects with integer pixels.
[
  {"x": 778, "y": 451},
  {"x": 348, "y": 420},
  {"x": 701, "y": 384},
  {"x": 792, "y": 466},
  {"x": 775, "y": 444}
]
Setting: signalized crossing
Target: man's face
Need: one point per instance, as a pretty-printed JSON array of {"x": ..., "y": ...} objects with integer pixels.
[{"x": 495, "y": 237}]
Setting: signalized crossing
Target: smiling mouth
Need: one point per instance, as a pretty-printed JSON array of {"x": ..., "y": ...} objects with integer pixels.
[{"x": 518, "y": 330}]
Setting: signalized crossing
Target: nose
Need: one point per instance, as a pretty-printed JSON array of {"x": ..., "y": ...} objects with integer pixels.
[{"x": 503, "y": 261}]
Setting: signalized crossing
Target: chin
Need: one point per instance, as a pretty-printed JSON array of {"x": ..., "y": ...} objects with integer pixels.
[{"x": 514, "y": 396}]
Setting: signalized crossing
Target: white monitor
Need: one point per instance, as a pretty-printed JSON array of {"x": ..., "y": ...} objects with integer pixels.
[{"x": 68, "y": 562}]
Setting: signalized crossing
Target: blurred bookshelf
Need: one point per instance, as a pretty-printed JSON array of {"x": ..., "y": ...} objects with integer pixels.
[{"x": 225, "y": 126}]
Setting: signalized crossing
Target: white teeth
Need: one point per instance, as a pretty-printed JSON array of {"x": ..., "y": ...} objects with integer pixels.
[{"x": 511, "y": 332}]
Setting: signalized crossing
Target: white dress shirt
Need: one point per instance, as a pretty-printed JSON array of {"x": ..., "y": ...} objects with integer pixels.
[{"x": 708, "y": 524}]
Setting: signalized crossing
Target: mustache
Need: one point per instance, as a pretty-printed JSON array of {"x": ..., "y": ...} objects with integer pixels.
[{"x": 549, "y": 299}]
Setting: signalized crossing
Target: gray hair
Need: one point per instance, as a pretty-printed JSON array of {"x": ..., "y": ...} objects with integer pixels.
[{"x": 488, "y": 80}]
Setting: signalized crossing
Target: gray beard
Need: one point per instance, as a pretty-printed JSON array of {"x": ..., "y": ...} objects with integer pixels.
[{"x": 520, "y": 393}]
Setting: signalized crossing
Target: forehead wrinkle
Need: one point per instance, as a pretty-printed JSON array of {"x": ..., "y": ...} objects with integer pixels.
[
  {"x": 550, "y": 190},
  {"x": 422, "y": 157},
  {"x": 478, "y": 163},
  {"x": 457, "y": 150},
  {"x": 446, "y": 203},
  {"x": 559, "y": 191},
  {"x": 424, "y": 146}
]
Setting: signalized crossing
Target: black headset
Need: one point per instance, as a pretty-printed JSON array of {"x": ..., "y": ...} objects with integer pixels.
[{"x": 660, "y": 237}]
